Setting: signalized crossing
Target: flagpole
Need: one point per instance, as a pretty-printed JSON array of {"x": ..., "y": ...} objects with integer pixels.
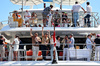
[
  {"x": 22, "y": 13},
  {"x": 61, "y": 14},
  {"x": 54, "y": 26}
]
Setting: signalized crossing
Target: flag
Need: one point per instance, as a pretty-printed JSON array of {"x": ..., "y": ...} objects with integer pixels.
[
  {"x": 54, "y": 39},
  {"x": 47, "y": 0}
]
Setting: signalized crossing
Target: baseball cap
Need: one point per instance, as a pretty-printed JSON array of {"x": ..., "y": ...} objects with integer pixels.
[{"x": 98, "y": 35}]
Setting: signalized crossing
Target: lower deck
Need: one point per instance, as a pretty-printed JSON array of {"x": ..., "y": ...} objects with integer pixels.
[{"x": 45, "y": 63}]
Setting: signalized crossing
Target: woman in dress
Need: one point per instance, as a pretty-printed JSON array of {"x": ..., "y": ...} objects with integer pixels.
[{"x": 16, "y": 47}]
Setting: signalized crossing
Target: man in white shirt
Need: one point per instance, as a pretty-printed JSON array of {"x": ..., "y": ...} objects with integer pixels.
[
  {"x": 27, "y": 15},
  {"x": 89, "y": 10},
  {"x": 75, "y": 10}
]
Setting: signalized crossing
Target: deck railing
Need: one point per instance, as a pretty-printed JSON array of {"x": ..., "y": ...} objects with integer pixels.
[
  {"x": 70, "y": 23},
  {"x": 71, "y": 54}
]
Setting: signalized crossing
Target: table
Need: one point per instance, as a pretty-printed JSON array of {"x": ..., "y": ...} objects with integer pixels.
[{"x": 79, "y": 53}]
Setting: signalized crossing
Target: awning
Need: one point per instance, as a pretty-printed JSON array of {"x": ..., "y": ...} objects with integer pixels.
[
  {"x": 27, "y": 2},
  {"x": 36, "y": 2},
  {"x": 69, "y": 2}
]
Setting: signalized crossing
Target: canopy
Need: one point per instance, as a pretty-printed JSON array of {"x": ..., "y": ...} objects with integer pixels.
[
  {"x": 69, "y": 2},
  {"x": 36, "y": 2},
  {"x": 27, "y": 2}
]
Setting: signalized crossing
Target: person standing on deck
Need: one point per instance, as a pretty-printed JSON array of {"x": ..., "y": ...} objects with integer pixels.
[
  {"x": 65, "y": 47},
  {"x": 1, "y": 48},
  {"x": 71, "y": 42},
  {"x": 75, "y": 12},
  {"x": 97, "y": 40},
  {"x": 54, "y": 56},
  {"x": 87, "y": 17},
  {"x": 45, "y": 42},
  {"x": 35, "y": 44},
  {"x": 45, "y": 12},
  {"x": 89, "y": 42},
  {"x": 16, "y": 47},
  {"x": 97, "y": 47}
]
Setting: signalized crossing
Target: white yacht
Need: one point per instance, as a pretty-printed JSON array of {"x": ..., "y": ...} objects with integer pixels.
[{"x": 79, "y": 32}]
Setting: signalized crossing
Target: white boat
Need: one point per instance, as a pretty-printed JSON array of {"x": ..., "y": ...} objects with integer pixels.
[
  {"x": 78, "y": 32},
  {"x": 12, "y": 29}
]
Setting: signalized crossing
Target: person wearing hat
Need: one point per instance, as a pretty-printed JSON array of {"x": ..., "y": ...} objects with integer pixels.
[
  {"x": 97, "y": 40},
  {"x": 97, "y": 48},
  {"x": 57, "y": 18},
  {"x": 35, "y": 44},
  {"x": 71, "y": 42},
  {"x": 89, "y": 42},
  {"x": 45, "y": 12},
  {"x": 45, "y": 42}
]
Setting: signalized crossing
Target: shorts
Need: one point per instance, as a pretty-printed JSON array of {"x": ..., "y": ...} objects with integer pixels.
[{"x": 44, "y": 16}]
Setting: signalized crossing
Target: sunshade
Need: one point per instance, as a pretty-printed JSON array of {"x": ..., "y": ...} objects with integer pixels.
[
  {"x": 36, "y": 2},
  {"x": 69, "y": 2},
  {"x": 27, "y": 2}
]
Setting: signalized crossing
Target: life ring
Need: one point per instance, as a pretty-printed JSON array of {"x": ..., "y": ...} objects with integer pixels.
[{"x": 69, "y": 20}]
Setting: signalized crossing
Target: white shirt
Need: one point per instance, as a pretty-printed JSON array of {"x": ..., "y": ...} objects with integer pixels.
[
  {"x": 16, "y": 45},
  {"x": 93, "y": 38},
  {"x": 76, "y": 7},
  {"x": 28, "y": 14},
  {"x": 52, "y": 41},
  {"x": 58, "y": 44},
  {"x": 16, "y": 41},
  {"x": 89, "y": 9}
]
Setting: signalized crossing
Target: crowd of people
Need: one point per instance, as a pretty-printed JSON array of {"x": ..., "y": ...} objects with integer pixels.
[
  {"x": 30, "y": 20},
  {"x": 75, "y": 12},
  {"x": 49, "y": 42},
  {"x": 51, "y": 18}
]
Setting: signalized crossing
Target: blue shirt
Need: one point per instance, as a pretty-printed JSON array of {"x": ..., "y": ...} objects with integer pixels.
[
  {"x": 46, "y": 11},
  {"x": 88, "y": 43},
  {"x": 71, "y": 45}
]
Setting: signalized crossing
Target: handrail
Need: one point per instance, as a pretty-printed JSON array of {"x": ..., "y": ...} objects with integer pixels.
[
  {"x": 39, "y": 21},
  {"x": 75, "y": 50}
]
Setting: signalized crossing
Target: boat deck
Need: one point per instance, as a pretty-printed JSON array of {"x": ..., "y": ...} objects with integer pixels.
[{"x": 45, "y": 63}]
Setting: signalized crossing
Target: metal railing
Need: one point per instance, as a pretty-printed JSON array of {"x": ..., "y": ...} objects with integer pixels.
[
  {"x": 39, "y": 22},
  {"x": 71, "y": 53}
]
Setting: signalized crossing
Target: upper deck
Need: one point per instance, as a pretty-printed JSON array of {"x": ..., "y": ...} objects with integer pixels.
[{"x": 39, "y": 18}]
